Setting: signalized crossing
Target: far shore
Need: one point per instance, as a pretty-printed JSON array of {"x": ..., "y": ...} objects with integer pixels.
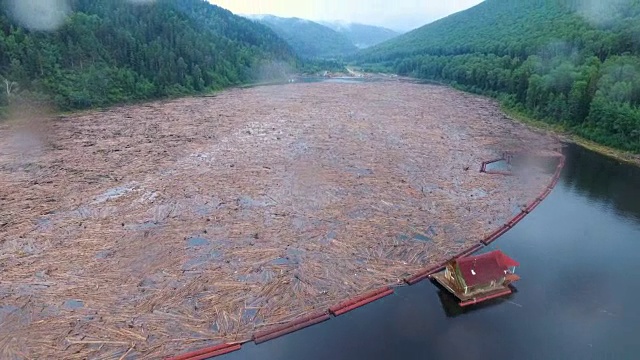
[
  {"x": 568, "y": 137},
  {"x": 563, "y": 135}
]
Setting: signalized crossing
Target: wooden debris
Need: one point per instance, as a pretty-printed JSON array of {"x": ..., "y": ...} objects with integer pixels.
[{"x": 201, "y": 220}]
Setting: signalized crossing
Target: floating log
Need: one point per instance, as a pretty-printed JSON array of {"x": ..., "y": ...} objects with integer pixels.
[{"x": 498, "y": 172}]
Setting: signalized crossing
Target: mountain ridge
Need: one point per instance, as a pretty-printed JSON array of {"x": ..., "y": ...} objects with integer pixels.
[
  {"x": 362, "y": 35},
  {"x": 308, "y": 38},
  {"x": 113, "y": 51}
]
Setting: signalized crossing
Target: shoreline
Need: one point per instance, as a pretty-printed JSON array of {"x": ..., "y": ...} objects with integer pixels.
[
  {"x": 564, "y": 135},
  {"x": 567, "y": 136}
]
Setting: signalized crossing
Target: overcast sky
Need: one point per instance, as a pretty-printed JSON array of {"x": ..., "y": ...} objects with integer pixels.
[{"x": 396, "y": 14}]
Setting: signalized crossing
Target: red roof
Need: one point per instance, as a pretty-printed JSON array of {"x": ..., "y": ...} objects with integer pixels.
[{"x": 484, "y": 268}]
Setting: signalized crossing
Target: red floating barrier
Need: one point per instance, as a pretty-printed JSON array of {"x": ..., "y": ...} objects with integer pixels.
[
  {"x": 493, "y": 237},
  {"x": 290, "y": 327},
  {"x": 545, "y": 193},
  {"x": 437, "y": 268},
  {"x": 208, "y": 352},
  {"x": 469, "y": 251},
  {"x": 362, "y": 303},
  {"x": 562, "y": 159},
  {"x": 425, "y": 274},
  {"x": 417, "y": 277},
  {"x": 357, "y": 299},
  {"x": 495, "y": 233},
  {"x": 561, "y": 164},
  {"x": 533, "y": 205},
  {"x": 517, "y": 219}
]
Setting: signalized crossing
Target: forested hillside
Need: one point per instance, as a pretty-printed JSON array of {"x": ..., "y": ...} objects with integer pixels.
[
  {"x": 111, "y": 51},
  {"x": 309, "y": 39},
  {"x": 362, "y": 36},
  {"x": 570, "y": 62}
]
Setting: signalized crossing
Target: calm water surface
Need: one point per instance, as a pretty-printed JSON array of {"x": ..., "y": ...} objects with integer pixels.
[{"x": 580, "y": 262}]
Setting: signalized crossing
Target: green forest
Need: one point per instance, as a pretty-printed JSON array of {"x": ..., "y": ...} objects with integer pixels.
[
  {"x": 309, "y": 39},
  {"x": 572, "y": 63},
  {"x": 114, "y": 51}
]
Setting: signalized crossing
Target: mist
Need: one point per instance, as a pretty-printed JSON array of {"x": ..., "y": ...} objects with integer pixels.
[
  {"x": 39, "y": 15},
  {"x": 45, "y": 15},
  {"x": 400, "y": 15},
  {"x": 600, "y": 12}
]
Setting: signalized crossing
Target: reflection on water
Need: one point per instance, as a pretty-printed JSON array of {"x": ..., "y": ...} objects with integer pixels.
[
  {"x": 577, "y": 299},
  {"x": 604, "y": 180}
]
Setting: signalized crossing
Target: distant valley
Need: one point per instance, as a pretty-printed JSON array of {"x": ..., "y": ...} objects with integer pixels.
[
  {"x": 362, "y": 36},
  {"x": 325, "y": 40}
]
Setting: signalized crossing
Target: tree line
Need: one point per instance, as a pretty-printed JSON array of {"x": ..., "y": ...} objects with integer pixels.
[{"x": 114, "y": 51}]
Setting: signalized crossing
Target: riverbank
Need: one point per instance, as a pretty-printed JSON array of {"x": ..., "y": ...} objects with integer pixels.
[
  {"x": 29, "y": 110},
  {"x": 557, "y": 130},
  {"x": 567, "y": 136}
]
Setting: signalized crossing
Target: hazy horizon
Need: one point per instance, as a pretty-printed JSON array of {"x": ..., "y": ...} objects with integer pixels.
[{"x": 403, "y": 15}]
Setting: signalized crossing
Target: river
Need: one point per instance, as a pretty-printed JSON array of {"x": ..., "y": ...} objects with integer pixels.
[{"x": 580, "y": 258}]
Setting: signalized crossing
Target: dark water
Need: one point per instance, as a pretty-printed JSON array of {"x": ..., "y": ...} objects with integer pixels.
[{"x": 580, "y": 262}]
